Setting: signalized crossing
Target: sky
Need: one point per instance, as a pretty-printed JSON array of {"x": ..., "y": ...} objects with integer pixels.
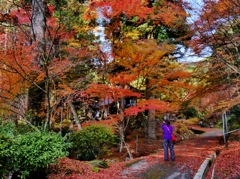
[
  {"x": 196, "y": 5},
  {"x": 190, "y": 56},
  {"x": 99, "y": 31}
]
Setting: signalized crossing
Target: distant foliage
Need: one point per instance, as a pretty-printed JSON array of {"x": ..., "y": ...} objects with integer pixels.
[
  {"x": 232, "y": 118},
  {"x": 190, "y": 113},
  {"x": 91, "y": 142},
  {"x": 28, "y": 152}
]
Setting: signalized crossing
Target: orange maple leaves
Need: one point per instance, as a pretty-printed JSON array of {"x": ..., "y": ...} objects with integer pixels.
[
  {"x": 102, "y": 91},
  {"x": 150, "y": 104},
  {"x": 116, "y": 8}
]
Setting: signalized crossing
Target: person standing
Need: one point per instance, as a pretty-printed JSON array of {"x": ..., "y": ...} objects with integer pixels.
[{"x": 167, "y": 140}]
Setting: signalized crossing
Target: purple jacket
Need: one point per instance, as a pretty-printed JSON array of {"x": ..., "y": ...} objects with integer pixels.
[{"x": 166, "y": 133}]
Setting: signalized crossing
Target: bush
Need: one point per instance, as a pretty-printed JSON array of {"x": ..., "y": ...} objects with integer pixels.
[
  {"x": 23, "y": 128},
  {"x": 7, "y": 133},
  {"x": 91, "y": 142},
  {"x": 37, "y": 150},
  {"x": 29, "y": 152}
]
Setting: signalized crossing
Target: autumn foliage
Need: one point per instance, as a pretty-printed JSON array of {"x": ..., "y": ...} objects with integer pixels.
[
  {"x": 217, "y": 36},
  {"x": 56, "y": 70}
]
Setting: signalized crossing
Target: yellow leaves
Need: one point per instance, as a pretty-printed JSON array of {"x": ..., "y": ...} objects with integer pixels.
[
  {"x": 139, "y": 83},
  {"x": 74, "y": 44},
  {"x": 142, "y": 57},
  {"x": 135, "y": 34},
  {"x": 82, "y": 28}
]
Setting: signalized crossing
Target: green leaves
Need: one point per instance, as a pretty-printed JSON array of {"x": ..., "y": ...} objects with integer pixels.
[
  {"x": 29, "y": 152},
  {"x": 91, "y": 142}
]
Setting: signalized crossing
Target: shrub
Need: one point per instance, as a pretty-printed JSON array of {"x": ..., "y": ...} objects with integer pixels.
[
  {"x": 29, "y": 152},
  {"x": 7, "y": 133},
  {"x": 23, "y": 128},
  {"x": 37, "y": 150},
  {"x": 91, "y": 142}
]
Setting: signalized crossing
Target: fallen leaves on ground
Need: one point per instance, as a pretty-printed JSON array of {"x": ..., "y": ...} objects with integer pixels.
[
  {"x": 227, "y": 163},
  {"x": 190, "y": 154}
]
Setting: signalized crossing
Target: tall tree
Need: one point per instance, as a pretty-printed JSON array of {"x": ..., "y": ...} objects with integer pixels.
[
  {"x": 46, "y": 53},
  {"x": 160, "y": 80},
  {"x": 217, "y": 35},
  {"x": 164, "y": 21}
]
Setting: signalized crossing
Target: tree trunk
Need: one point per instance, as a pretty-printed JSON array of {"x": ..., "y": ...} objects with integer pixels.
[
  {"x": 151, "y": 124},
  {"x": 121, "y": 136},
  {"x": 38, "y": 20},
  {"x": 122, "y": 127},
  {"x": 151, "y": 113},
  {"x": 38, "y": 34},
  {"x": 75, "y": 116},
  {"x": 48, "y": 100}
]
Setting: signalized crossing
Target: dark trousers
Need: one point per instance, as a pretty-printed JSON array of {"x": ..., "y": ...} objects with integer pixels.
[{"x": 168, "y": 144}]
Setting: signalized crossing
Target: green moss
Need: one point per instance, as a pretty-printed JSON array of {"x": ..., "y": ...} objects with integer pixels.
[{"x": 96, "y": 169}]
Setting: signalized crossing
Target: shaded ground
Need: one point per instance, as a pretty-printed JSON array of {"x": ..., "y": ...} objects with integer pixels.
[{"x": 189, "y": 156}]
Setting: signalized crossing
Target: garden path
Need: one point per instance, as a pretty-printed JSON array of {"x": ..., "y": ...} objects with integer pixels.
[{"x": 189, "y": 156}]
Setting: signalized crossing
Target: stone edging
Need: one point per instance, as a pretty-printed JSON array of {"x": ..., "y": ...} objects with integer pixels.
[{"x": 203, "y": 169}]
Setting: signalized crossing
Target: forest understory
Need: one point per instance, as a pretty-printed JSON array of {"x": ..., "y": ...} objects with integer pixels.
[{"x": 190, "y": 153}]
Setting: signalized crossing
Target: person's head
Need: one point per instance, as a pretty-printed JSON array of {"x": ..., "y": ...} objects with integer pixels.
[{"x": 167, "y": 122}]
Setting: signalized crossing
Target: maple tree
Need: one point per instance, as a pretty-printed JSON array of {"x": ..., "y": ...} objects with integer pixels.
[
  {"x": 144, "y": 19},
  {"x": 116, "y": 94},
  {"x": 138, "y": 21},
  {"x": 217, "y": 35},
  {"x": 52, "y": 63},
  {"x": 141, "y": 61},
  {"x": 154, "y": 73},
  {"x": 46, "y": 70}
]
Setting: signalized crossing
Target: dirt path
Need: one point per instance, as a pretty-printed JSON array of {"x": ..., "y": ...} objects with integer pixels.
[{"x": 189, "y": 156}]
